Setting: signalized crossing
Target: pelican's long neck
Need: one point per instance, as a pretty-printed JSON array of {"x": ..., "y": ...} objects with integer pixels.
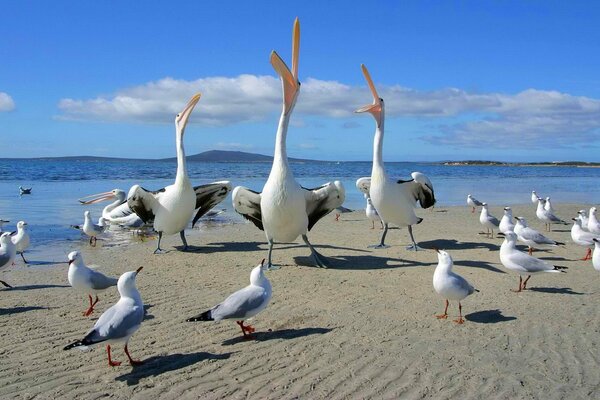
[
  {"x": 280, "y": 160},
  {"x": 181, "y": 176},
  {"x": 378, "y": 151}
]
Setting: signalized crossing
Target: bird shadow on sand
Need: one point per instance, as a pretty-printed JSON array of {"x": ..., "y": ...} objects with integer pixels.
[
  {"x": 157, "y": 365},
  {"x": 148, "y": 316},
  {"x": 218, "y": 247},
  {"x": 366, "y": 262},
  {"x": 553, "y": 290},
  {"x": 478, "y": 264},
  {"x": 36, "y": 263},
  {"x": 18, "y": 310},
  {"x": 34, "y": 287},
  {"x": 286, "y": 334},
  {"x": 451, "y": 244},
  {"x": 488, "y": 317}
]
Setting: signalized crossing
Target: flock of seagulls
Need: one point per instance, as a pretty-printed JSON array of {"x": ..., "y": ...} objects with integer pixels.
[{"x": 284, "y": 210}]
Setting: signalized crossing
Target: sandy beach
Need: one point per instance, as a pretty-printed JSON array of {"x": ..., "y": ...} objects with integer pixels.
[{"x": 364, "y": 328}]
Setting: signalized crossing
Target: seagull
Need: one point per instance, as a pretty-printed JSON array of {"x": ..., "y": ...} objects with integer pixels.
[
  {"x": 596, "y": 256},
  {"x": 8, "y": 252},
  {"x": 534, "y": 197},
  {"x": 2, "y": 222},
  {"x": 583, "y": 217},
  {"x": 449, "y": 285},
  {"x": 506, "y": 223},
  {"x": 91, "y": 229},
  {"x": 244, "y": 303},
  {"x": 583, "y": 238},
  {"x": 593, "y": 224},
  {"x": 488, "y": 221},
  {"x": 21, "y": 239},
  {"x": 393, "y": 199},
  {"x": 285, "y": 210},
  {"x": 531, "y": 237},
  {"x": 547, "y": 216},
  {"x": 473, "y": 202},
  {"x": 172, "y": 207},
  {"x": 23, "y": 190},
  {"x": 522, "y": 263},
  {"x": 119, "y": 322},
  {"x": 87, "y": 280},
  {"x": 372, "y": 213}
]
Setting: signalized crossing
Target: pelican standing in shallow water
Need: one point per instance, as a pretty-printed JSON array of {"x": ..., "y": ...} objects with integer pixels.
[
  {"x": 284, "y": 209},
  {"x": 172, "y": 207},
  {"x": 394, "y": 200}
]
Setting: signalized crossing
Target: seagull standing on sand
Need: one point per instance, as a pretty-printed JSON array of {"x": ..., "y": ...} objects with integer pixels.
[
  {"x": 85, "y": 279},
  {"x": 243, "y": 304},
  {"x": 284, "y": 209},
  {"x": 8, "y": 252},
  {"x": 596, "y": 256},
  {"x": 522, "y": 263},
  {"x": 21, "y": 239},
  {"x": 394, "y": 200},
  {"x": 593, "y": 224},
  {"x": 583, "y": 238},
  {"x": 119, "y": 322},
  {"x": 548, "y": 205},
  {"x": 449, "y": 285},
  {"x": 172, "y": 207},
  {"x": 92, "y": 230},
  {"x": 506, "y": 223},
  {"x": 487, "y": 220},
  {"x": 531, "y": 237},
  {"x": 547, "y": 216},
  {"x": 473, "y": 202},
  {"x": 372, "y": 213}
]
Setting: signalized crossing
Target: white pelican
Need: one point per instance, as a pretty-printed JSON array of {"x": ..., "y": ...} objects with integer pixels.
[
  {"x": 119, "y": 322},
  {"x": 8, "y": 252},
  {"x": 450, "y": 285},
  {"x": 284, "y": 209},
  {"x": 21, "y": 239},
  {"x": 116, "y": 210},
  {"x": 172, "y": 207},
  {"x": 394, "y": 200}
]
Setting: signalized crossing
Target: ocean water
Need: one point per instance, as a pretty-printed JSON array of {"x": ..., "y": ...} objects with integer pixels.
[{"x": 53, "y": 207}]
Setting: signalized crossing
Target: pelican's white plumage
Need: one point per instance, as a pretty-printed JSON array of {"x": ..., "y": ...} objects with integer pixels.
[
  {"x": 450, "y": 285},
  {"x": 284, "y": 209},
  {"x": 394, "y": 200},
  {"x": 243, "y": 304},
  {"x": 117, "y": 324}
]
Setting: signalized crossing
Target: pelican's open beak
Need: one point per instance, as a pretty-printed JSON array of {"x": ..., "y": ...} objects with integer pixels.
[
  {"x": 137, "y": 271},
  {"x": 184, "y": 115},
  {"x": 96, "y": 198},
  {"x": 375, "y": 108},
  {"x": 289, "y": 79}
]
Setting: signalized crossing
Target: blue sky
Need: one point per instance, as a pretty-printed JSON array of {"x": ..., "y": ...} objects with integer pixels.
[{"x": 502, "y": 80}]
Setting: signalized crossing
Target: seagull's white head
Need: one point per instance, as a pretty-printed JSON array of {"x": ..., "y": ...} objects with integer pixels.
[
  {"x": 444, "y": 259},
  {"x": 289, "y": 79},
  {"x": 510, "y": 236},
  {"x": 521, "y": 221},
  {"x": 507, "y": 211},
  {"x": 469, "y": 196},
  {"x": 182, "y": 118},
  {"x": 583, "y": 213},
  {"x": 484, "y": 205},
  {"x": 593, "y": 211},
  {"x": 257, "y": 273},
  {"x": 377, "y": 109},
  {"x": 5, "y": 239},
  {"x": 126, "y": 283},
  {"x": 75, "y": 257},
  {"x": 21, "y": 225},
  {"x": 576, "y": 221}
]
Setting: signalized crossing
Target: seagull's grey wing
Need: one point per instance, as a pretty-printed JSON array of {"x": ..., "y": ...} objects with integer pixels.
[
  {"x": 554, "y": 218},
  {"x": 529, "y": 263},
  {"x": 462, "y": 283},
  {"x": 116, "y": 323},
  {"x": 240, "y": 304},
  {"x": 493, "y": 220},
  {"x": 323, "y": 200},
  {"x": 476, "y": 202},
  {"x": 4, "y": 259},
  {"x": 142, "y": 201},
  {"x": 247, "y": 203},
  {"x": 420, "y": 189},
  {"x": 208, "y": 196},
  {"x": 364, "y": 184},
  {"x": 99, "y": 281},
  {"x": 535, "y": 236}
]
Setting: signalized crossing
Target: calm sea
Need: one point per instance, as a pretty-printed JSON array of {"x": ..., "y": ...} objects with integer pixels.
[{"x": 52, "y": 207}]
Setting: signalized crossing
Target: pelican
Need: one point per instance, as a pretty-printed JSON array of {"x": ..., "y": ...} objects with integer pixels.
[
  {"x": 284, "y": 209},
  {"x": 117, "y": 210},
  {"x": 172, "y": 207},
  {"x": 394, "y": 200}
]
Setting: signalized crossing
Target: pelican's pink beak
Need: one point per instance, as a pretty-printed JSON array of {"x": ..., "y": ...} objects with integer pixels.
[
  {"x": 376, "y": 108},
  {"x": 184, "y": 115},
  {"x": 289, "y": 79},
  {"x": 97, "y": 198}
]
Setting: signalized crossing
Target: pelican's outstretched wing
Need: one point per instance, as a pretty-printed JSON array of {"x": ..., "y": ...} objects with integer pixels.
[
  {"x": 364, "y": 184},
  {"x": 247, "y": 203},
  {"x": 142, "y": 202},
  {"x": 208, "y": 196},
  {"x": 420, "y": 189},
  {"x": 322, "y": 200}
]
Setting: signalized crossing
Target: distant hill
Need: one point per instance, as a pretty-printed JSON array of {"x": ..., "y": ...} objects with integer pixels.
[{"x": 232, "y": 156}]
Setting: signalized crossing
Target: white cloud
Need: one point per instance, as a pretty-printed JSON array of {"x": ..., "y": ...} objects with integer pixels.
[
  {"x": 6, "y": 102},
  {"x": 498, "y": 118}
]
